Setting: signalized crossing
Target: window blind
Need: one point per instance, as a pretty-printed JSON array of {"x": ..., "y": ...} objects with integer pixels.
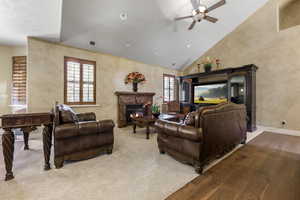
[
  {"x": 80, "y": 81},
  {"x": 19, "y": 78},
  {"x": 169, "y": 88}
]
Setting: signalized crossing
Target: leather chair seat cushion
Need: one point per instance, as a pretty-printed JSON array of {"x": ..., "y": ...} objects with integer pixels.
[
  {"x": 181, "y": 131},
  {"x": 88, "y": 128},
  {"x": 184, "y": 146},
  {"x": 86, "y": 116}
]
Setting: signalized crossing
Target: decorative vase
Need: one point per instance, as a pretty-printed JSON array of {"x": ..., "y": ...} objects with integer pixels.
[
  {"x": 135, "y": 87},
  {"x": 156, "y": 115},
  {"x": 207, "y": 68}
]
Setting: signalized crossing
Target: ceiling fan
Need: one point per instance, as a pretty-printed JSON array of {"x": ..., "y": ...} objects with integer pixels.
[{"x": 200, "y": 12}]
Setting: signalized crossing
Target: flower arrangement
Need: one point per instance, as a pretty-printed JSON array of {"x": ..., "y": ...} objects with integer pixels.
[
  {"x": 135, "y": 77},
  {"x": 208, "y": 64}
]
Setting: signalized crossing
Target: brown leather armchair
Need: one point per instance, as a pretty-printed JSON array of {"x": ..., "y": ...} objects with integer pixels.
[
  {"x": 215, "y": 130},
  {"x": 80, "y": 136}
]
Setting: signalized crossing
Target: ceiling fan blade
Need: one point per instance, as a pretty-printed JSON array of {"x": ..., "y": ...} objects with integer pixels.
[
  {"x": 217, "y": 5},
  {"x": 180, "y": 18},
  {"x": 195, "y": 3},
  {"x": 192, "y": 25},
  {"x": 211, "y": 19}
]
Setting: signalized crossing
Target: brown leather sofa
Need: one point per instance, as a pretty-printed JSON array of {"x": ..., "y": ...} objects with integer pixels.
[
  {"x": 214, "y": 131},
  {"x": 80, "y": 136}
]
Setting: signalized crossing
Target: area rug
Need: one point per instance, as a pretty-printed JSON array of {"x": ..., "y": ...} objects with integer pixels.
[{"x": 134, "y": 171}]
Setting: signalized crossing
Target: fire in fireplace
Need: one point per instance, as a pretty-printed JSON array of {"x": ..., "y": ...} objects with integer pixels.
[{"x": 132, "y": 109}]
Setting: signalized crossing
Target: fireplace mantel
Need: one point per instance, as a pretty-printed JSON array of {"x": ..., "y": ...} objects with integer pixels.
[
  {"x": 119, "y": 93},
  {"x": 130, "y": 98}
]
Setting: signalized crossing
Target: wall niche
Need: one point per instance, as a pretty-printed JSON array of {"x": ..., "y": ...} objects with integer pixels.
[{"x": 289, "y": 14}]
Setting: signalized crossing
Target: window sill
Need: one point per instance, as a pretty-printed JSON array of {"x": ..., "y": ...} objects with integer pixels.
[
  {"x": 84, "y": 106},
  {"x": 17, "y": 105}
]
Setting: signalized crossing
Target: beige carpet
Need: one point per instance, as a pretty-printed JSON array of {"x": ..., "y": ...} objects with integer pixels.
[{"x": 135, "y": 171}]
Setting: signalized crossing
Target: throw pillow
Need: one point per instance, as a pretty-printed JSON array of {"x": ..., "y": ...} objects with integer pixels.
[
  {"x": 190, "y": 119},
  {"x": 67, "y": 115}
]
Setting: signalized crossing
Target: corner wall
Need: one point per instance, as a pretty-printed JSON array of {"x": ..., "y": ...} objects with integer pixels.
[
  {"x": 46, "y": 74},
  {"x": 277, "y": 54},
  {"x": 6, "y": 54}
]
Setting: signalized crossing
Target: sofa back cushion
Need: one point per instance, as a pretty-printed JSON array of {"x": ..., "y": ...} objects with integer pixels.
[
  {"x": 201, "y": 110},
  {"x": 66, "y": 114}
]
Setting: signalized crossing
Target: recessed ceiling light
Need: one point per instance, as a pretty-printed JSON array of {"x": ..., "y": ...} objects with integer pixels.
[
  {"x": 127, "y": 44},
  {"x": 188, "y": 46},
  {"x": 123, "y": 16}
]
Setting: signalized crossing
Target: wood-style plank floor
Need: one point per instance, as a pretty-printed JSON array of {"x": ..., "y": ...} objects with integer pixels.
[{"x": 267, "y": 168}]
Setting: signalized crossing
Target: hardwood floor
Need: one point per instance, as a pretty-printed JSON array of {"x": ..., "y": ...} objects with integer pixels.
[{"x": 267, "y": 168}]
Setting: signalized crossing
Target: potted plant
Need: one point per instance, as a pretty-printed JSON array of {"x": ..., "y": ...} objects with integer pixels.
[
  {"x": 135, "y": 78},
  {"x": 155, "y": 110},
  {"x": 207, "y": 63}
]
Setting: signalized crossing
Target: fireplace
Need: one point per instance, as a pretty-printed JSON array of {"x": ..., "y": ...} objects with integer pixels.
[
  {"x": 129, "y": 102},
  {"x": 133, "y": 108}
]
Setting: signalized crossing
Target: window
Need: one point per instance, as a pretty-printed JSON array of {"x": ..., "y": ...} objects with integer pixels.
[
  {"x": 169, "y": 88},
  {"x": 80, "y": 81},
  {"x": 18, "y": 93}
]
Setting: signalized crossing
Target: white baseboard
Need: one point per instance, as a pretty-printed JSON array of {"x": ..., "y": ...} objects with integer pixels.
[
  {"x": 254, "y": 134},
  {"x": 280, "y": 131}
]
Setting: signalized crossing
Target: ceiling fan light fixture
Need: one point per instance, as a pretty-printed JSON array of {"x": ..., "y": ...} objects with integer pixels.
[
  {"x": 194, "y": 12},
  {"x": 202, "y": 8}
]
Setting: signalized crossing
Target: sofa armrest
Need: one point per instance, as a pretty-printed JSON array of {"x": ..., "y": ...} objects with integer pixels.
[
  {"x": 86, "y": 117},
  {"x": 179, "y": 130},
  {"x": 106, "y": 125}
]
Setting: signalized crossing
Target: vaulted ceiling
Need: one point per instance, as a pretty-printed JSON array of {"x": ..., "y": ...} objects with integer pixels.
[
  {"x": 149, "y": 34},
  {"x": 22, "y": 18}
]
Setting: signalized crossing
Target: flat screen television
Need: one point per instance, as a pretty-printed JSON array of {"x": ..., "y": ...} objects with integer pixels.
[{"x": 210, "y": 93}]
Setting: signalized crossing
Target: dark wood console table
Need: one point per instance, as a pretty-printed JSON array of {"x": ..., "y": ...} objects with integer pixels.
[{"x": 27, "y": 123}]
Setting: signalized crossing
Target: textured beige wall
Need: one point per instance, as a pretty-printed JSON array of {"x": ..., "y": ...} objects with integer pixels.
[
  {"x": 289, "y": 13},
  {"x": 6, "y": 54},
  {"x": 45, "y": 84},
  {"x": 5, "y": 78},
  {"x": 277, "y": 54}
]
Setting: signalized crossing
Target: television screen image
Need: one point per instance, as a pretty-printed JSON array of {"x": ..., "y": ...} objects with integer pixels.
[{"x": 210, "y": 94}]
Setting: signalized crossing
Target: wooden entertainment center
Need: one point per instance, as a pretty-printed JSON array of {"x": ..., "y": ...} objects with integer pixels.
[{"x": 241, "y": 85}]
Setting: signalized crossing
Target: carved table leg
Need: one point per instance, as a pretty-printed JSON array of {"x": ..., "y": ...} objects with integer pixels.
[
  {"x": 134, "y": 128},
  {"x": 26, "y": 136},
  {"x": 148, "y": 131},
  {"x": 47, "y": 140},
  {"x": 8, "y": 140},
  {"x": 26, "y": 131}
]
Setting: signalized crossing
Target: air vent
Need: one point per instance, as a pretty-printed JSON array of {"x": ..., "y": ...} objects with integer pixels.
[{"x": 93, "y": 43}]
